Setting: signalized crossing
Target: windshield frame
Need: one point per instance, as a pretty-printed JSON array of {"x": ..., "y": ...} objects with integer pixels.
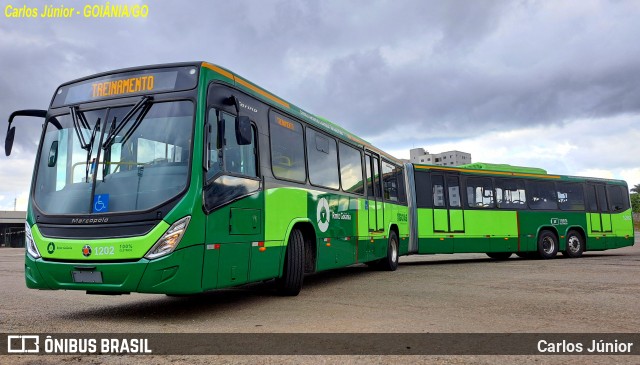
[{"x": 152, "y": 214}]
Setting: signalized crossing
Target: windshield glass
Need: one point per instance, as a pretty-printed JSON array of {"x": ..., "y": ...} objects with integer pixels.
[{"x": 145, "y": 170}]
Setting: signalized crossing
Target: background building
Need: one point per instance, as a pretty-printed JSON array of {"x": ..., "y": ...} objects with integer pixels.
[
  {"x": 449, "y": 158},
  {"x": 12, "y": 228}
]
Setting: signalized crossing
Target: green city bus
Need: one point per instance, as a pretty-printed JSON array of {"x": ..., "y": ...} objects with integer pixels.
[
  {"x": 185, "y": 178},
  {"x": 500, "y": 210}
]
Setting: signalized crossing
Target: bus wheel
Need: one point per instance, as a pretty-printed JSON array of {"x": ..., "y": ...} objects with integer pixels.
[
  {"x": 575, "y": 245},
  {"x": 547, "y": 245},
  {"x": 499, "y": 255},
  {"x": 390, "y": 263},
  {"x": 293, "y": 272}
]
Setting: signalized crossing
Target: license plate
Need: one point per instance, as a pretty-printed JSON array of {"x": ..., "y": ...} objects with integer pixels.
[{"x": 87, "y": 277}]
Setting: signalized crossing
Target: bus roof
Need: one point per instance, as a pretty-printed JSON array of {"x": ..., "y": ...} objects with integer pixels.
[
  {"x": 504, "y": 167},
  {"x": 312, "y": 119},
  {"x": 510, "y": 170}
]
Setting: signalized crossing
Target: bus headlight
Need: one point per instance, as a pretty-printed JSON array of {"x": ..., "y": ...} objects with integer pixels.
[
  {"x": 32, "y": 249},
  {"x": 169, "y": 240}
]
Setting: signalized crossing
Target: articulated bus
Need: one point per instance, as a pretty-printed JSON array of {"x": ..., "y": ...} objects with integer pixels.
[
  {"x": 185, "y": 178},
  {"x": 500, "y": 210}
]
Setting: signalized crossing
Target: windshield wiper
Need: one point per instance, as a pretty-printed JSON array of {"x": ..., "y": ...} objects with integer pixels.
[
  {"x": 143, "y": 106},
  {"x": 79, "y": 122}
]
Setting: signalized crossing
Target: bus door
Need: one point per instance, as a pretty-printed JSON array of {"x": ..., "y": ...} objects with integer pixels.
[
  {"x": 374, "y": 193},
  {"x": 598, "y": 215},
  {"x": 448, "y": 216},
  {"x": 598, "y": 206}
]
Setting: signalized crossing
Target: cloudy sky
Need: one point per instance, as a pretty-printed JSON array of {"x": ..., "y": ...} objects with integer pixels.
[{"x": 551, "y": 84}]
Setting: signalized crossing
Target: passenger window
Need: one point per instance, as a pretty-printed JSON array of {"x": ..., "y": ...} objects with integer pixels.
[
  {"x": 438, "y": 190},
  {"x": 323, "y": 160},
  {"x": 389, "y": 182},
  {"x": 542, "y": 195},
  {"x": 480, "y": 193},
  {"x": 351, "y": 169},
  {"x": 510, "y": 194},
  {"x": 619, "y": 200},
  {"x": 570, "y": 196},
  {"x": 287, "y": 149}
]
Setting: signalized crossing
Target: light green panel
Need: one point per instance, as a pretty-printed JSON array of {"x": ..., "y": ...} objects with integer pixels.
[
  {"x": 594, "y": 220},
  {"x": 622, "y": 223},
  {"x": 363, "y": 219},
  {"x": 441, "y": 220},
  {"x": 495, "y": 223},
  {"x": 456, "y": 220},
  {"x": 101, "y": 249},
  {"x": 425, "y": 223},
  {"x": 282, "y": 205},
  {"x": 606, "y": 222}
]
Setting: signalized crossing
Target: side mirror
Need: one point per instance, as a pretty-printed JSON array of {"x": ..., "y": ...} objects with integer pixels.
[
  {"x": 53, "y": 154},
  {"x": 243, "y": 131},
  {"x": 11, "y": 131},
  {"x": 8, "y": 142}
]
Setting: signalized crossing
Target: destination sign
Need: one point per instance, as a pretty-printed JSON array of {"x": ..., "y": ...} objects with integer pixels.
[{"x": 125, "y": 84}]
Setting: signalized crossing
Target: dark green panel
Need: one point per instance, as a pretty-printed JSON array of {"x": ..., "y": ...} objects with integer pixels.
[
  {"x": 337, "y": 253},
  {"x": 245, "y": 221},
  {"x": 178, "y": 273},
  {"x": 265, "y": 264},
  {"x": 471, "y": 244},
  {"x": 210, "y": 270},
  {"x": 436, "y": 245},
  {"x": 233, "y": 264}
]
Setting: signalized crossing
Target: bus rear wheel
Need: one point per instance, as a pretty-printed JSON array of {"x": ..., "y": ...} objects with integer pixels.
[
  {"x": 499, "y": 255},
  {"x": 293, "y": 272},
  {"x": 547, "y": 245},
  {"x": 390, "y": 263},
  {"x": 575, "y": 245}
]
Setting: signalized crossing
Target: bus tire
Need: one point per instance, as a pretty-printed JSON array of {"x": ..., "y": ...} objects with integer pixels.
[
  {"x": 547, "y": 245},
  {"x": 575, "y": 245},
  {"x": 390, "y": 263},
  {"x": 499, "y": 255},
  {"x": 293, "y": 272}
]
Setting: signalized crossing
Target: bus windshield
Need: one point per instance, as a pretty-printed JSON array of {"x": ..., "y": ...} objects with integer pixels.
[{"x": 134, "y": 172}]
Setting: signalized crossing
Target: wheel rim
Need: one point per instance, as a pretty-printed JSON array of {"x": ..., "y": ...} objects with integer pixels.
[
  {"x": 548, "y": 245},
  {"x": 394, "y": 251},
  {"x": 573, "y": 244}
]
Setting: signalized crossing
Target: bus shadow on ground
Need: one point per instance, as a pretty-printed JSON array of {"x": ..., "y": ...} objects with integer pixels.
[
  {"x": 430, "y": 260},
  {"x": 156, "y": 308}
]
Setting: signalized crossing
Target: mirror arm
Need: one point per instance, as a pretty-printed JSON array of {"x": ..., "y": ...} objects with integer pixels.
[{"x": 11, "y": 131}]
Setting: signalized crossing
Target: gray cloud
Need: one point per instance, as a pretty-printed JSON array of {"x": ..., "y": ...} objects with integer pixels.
[{"x": 403, "y": 73}]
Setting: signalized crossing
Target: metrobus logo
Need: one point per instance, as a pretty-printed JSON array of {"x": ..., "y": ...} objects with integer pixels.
[
  {"x": 322, "y": 214},
  {"x": 559, "y": 221}
]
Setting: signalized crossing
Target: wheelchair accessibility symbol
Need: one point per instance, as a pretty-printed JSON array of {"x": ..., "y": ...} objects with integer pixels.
[{"x": 101, "y": 203}]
